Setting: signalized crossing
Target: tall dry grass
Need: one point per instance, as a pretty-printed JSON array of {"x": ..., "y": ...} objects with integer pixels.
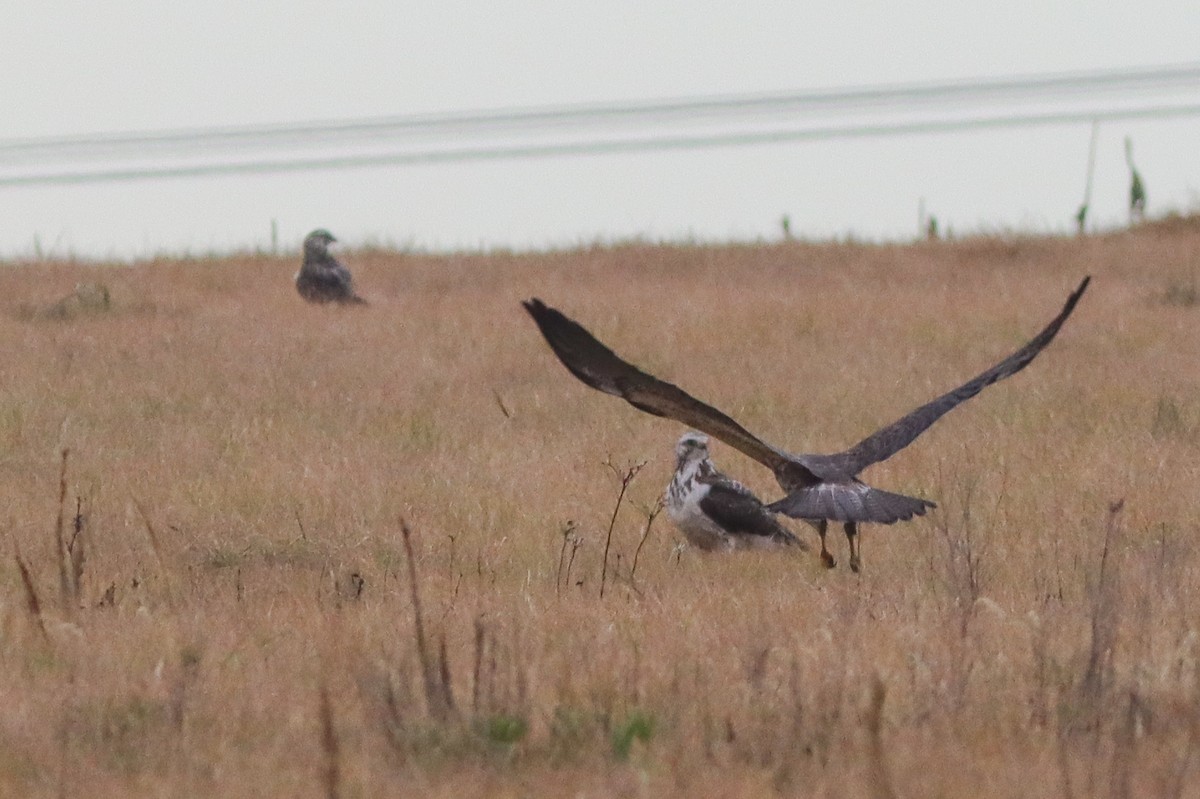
[{"x": 240, "y": 463}]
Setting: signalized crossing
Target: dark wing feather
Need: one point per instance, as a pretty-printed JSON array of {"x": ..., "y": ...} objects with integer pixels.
[
  {"x": 339, "y": 276},
  {"x": 740, "y": 512},
  {"x": 326, "y": 279},
  {"x": 601, "y": 368},
  {"x": 891, "y": 439}
]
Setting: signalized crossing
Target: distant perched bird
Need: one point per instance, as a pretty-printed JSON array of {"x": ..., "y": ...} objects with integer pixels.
[
  {"x": 820, "y": 488},
  {"x": 714, "y": 512},
  {"x": 1081, "y": 219},
  {"x": 322, "y": 278},
  {"x": 1137, "y": 188}
]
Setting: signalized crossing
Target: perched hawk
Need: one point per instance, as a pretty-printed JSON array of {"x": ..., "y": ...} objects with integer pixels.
[
  {"x": 715, "y": 512},
  {"x": 819, "y": 488},
  {"x": 322, "y": 278}
]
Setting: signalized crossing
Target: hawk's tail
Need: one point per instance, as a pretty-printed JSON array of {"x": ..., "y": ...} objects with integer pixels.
[{"x": 854, "y": 502}]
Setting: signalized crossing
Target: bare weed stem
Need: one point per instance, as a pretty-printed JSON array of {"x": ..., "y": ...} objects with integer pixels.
[
  {"x": 31, "y": 598},
  {"x": 626, "y": 478},
  {"x": 329, "y": 745},
  {"x": 435, "y": 675}
]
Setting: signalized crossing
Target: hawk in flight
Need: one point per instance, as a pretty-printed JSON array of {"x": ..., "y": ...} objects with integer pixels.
[
  {"x": 323, "y": 278},
  {"x": 818, "y": 488},
  {"x": 715, "y": 512}
]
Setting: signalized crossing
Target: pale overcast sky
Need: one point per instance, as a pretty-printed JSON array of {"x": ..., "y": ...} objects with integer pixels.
[{"x": 84, "y": 67}]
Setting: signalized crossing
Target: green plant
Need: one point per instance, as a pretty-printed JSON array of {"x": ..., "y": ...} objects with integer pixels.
[{"x": 638, "y": 726}]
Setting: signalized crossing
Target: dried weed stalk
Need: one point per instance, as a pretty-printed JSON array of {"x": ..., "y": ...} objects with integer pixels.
[
  {"x": 477, "y": 671},
  {"x": 500, "y": 403},
  {"x": 65, "y": 589},
  {"x": 156, "y": 548},
  {"x": 568, "y": 534},
  {"x": 878, "y": 775},
  {"x": 77, "y": 554},
  {"x": 651, "y": 514},
  {"x": 329, "y": 745},
  {"x": 32, "y": 602},
  {"x": 435, "y": 676},
  {"x": 1106, "y": 600},
  {"x": 625, "y": 477}
]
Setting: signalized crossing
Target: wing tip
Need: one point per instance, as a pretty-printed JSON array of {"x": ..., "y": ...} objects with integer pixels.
[
  {"x": 1078, "y": 292},
  {"x": 552, "y": 322},
  {"x": 534, "y": 306},
  {"x": 1083, "y": 284}
]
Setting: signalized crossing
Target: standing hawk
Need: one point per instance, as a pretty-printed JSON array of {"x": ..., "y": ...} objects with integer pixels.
[
  {"x": 323, "y": 278},
  {"x": 715, "y": 512},
  {"x": 819, "y": 488}
]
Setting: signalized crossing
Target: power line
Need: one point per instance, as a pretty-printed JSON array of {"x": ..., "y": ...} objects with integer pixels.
[
  {"x": 597, "y": 146},
  {"x": 1035, "y": 88},
  {"x": 725, "y": 120}
]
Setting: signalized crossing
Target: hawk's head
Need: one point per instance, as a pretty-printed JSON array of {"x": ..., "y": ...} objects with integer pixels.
[
  {"x": 316, "y": 244},
  {"x": 692, "y": 447}
]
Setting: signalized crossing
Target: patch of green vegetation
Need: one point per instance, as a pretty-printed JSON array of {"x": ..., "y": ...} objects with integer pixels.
[
  {"x": 389, "y": 558},
  {"x": 638, "y": 726},
  {"x": 1169, "y": 420},
  {"x": 12, "y": 422},
  {"x": 445, "y": 744},
  {"x": 21, "y": 769},
  {"x": 504, "y": 729},
  {"x": 151, "y": 409},
  {"x": 220, "y": 557},
  {"x": 38, "y": 660},
  {"x": 416, "y": 431},
  {"x": 438, "y": 744},
  {"x": 297, "y": 551},
  {"x": 422, "y": 431}
]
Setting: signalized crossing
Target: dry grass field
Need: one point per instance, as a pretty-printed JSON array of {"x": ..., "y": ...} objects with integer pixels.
[{"x": 237, "y": 615}]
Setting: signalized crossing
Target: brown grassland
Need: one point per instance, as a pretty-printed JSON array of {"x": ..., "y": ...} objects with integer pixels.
[{"x": 236, "y": 615}]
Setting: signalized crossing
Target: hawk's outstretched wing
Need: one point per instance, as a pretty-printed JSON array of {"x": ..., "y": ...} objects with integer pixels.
[
  {"x": 889, "y": 440},
  {"x": 601, "y": 368}
]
